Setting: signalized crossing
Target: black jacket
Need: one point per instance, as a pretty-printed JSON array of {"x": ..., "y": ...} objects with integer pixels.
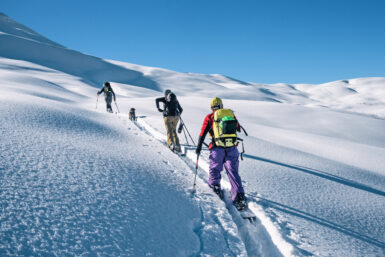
[
  {"x": 107, "y": 92},
  {"x": 169, "y": 108}
]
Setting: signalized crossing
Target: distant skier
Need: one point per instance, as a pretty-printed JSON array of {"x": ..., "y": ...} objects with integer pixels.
[
  {"x": 222, "y": 126},
  {"x": 108, "y": 94},
  {"x": 131, "y": 114},
  {"x": 171, "y": 111}
]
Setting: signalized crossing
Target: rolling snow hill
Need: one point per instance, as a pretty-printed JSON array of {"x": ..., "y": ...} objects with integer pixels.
[{"x": 75, "y": 180}]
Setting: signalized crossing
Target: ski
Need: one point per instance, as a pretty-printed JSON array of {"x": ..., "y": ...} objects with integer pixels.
[
  {"x": 179, "y": 153},
  {"x": 247, "y": 214},
  {"x": 182, "y": 151}
]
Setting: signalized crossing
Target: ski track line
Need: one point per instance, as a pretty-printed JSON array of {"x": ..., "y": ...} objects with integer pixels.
[{"x": 262, "y": 237}]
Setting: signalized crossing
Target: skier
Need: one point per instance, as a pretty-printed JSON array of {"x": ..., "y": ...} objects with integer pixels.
[
  {"x": 131, "y": 114},
  {"x": 108, "y": 94},
  {"x": 171, "y": 111},
  {"x": 222, "y": 125}
]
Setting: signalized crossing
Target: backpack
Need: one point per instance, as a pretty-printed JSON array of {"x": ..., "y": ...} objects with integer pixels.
[
  {"x": 107, "y": 90},
  {"x": 171, "y": 105},
  {"x": 225, "y": 128}
]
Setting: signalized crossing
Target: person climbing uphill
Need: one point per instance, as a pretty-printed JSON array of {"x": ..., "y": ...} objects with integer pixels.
[
  {"x": 171, "y": 112},
  {"x": 222, "y": 126},
  {"x": 108, "y": 94}
]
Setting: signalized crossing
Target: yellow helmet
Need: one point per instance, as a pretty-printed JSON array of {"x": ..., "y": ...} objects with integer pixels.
[{"x": 216, "y": 103}]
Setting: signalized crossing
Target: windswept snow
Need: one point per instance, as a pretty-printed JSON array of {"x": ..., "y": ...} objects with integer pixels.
[{"x": 75, "y": 180}]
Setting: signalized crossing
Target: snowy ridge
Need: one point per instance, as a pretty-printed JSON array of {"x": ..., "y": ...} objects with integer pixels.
[{"x": 261, "y": 237}]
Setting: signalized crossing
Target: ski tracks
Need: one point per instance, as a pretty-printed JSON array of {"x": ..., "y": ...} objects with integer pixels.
[{"x": 260, "y": 237}]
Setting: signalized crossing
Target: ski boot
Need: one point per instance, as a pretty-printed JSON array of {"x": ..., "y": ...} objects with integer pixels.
[
  {"x": 240, "y": 202},
  {"x": 217, "y": 190},
  {"x": 177, "y": 149}
]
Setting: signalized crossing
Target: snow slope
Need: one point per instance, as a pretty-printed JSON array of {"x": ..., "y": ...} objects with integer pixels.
[{"x": 78, "y": 181}]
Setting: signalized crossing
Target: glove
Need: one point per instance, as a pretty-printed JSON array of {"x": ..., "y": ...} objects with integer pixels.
[{"x": 160, "y": 110}]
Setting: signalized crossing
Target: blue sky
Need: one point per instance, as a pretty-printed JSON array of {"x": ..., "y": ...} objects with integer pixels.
[{"x": 269, "y": 41}]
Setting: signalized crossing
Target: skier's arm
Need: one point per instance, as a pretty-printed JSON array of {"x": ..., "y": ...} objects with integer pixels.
[
  {"x": 205, "y": 129},
  {"x": 180, "y": 109},
  {"x": 157, "y": 100},
  {"x": 100, "y": 91},
  {"x": 113, "y": 93}
]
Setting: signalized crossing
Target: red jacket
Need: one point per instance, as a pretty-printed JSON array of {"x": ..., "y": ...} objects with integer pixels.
[{"x": 207, "y": 127}]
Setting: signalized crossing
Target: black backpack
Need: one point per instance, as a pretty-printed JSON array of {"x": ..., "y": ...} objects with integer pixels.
[
  {"x": 107, "y": 90},
  {"x": 171, "y": 105}
]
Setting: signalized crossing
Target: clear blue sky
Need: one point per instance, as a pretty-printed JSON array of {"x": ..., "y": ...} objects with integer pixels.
[{"x": 267, "y": 41}]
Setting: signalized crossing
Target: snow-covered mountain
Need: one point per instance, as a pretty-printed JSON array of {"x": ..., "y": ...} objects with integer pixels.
[{"x": 78, "y": 181}]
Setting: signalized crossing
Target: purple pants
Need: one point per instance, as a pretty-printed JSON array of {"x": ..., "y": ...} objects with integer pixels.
[{"x": 228, "y": 157}]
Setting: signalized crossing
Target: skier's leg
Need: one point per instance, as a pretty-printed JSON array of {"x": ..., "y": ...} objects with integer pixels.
[
  {"x": 232, "y": 167},
  {"x": 108, "y": 102},
  {"x": 168, "y": 129},
  {"x": 175, "y": 138},
  {"x": 217, "y": 156}
]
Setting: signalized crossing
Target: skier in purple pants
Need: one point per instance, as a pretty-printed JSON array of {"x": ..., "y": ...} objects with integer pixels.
[{"x": 222, "y": 156}]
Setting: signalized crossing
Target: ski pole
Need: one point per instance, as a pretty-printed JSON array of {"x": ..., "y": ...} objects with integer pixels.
[
  {"x": 196, "y": 172},
  {"x": 188, "y": 132},
  {"x": 184, "y": 132},
  {"x": 117, "y": 107},
  {"x": 97, "y": 98}
]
